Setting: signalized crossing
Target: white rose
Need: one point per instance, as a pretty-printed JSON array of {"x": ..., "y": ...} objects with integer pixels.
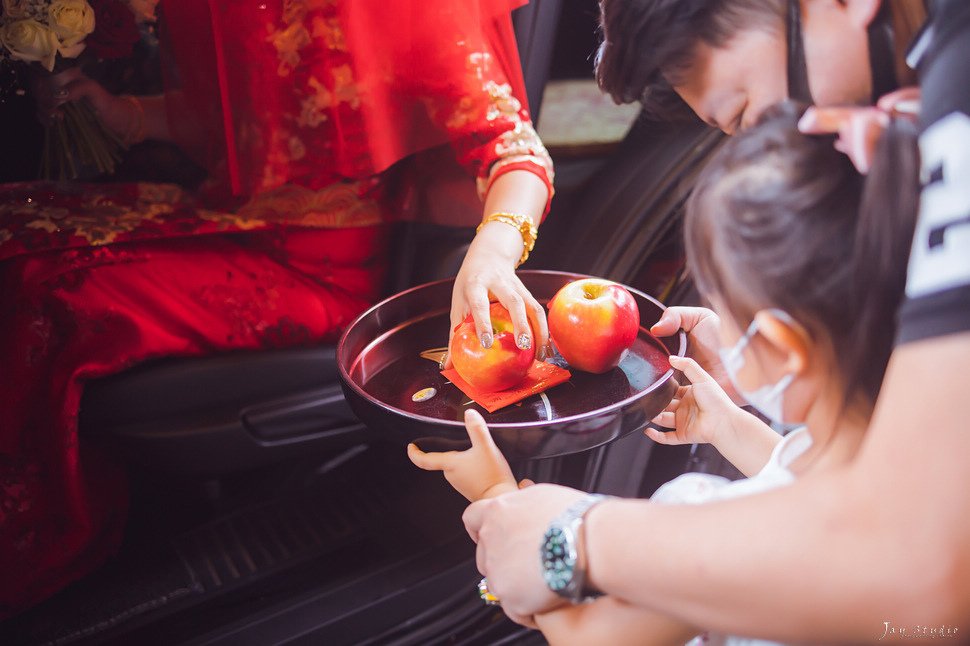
[
  {"x": 28, "y": 40},
  {"x": 72, "y": 21}
]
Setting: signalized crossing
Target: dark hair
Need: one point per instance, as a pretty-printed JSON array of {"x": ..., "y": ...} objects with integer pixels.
[
  {"x": 647, "y": 44},
  {"x": 781, "y": 219}
]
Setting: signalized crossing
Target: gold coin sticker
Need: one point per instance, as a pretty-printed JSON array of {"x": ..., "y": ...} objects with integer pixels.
[{"x": 424, "y": 395}]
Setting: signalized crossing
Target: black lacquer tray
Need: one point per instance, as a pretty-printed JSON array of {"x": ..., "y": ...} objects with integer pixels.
[{"x": 381, "y": 368}]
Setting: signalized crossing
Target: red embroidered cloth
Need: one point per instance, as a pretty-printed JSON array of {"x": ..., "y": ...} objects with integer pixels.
[{"x": 298, "y": 109}]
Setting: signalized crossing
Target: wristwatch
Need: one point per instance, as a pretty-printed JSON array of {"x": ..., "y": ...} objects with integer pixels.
[{"x": 563, "y": 555}]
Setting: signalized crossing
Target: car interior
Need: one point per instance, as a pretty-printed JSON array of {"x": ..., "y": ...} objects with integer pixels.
[{"x": 263, "y": 511}]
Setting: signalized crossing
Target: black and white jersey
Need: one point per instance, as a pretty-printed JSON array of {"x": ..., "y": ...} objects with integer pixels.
[{"x": 938, "y": 284}]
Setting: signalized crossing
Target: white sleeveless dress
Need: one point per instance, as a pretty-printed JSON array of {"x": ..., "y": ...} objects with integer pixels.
[{"x": 699, "y": 488}]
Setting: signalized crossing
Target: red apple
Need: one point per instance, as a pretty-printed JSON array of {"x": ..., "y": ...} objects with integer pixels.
[
  {"x": 499, "y": 367},
  {"x": 593, "y": 322}
]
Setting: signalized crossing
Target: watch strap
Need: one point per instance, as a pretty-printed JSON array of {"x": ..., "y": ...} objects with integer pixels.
[{"x": 563, "y": 551}]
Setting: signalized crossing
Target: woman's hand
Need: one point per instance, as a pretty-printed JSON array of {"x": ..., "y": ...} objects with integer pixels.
[
  {"x": 704, "y": 340},
  {"x": 52, "y": 92},
  {"x": 488, "y": 273},
  {"x": 479, "y": 472}
]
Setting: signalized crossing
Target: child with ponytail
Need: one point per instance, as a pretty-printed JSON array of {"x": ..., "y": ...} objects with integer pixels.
[{"x": 803, "y": 261}]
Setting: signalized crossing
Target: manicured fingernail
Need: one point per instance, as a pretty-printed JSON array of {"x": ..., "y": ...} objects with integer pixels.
[
  {"x": 807, "y": 120},
  {"x": 541, "y": 354},
  {"x": 486, "y": 340},
  {"x": 524, "y": 341}
]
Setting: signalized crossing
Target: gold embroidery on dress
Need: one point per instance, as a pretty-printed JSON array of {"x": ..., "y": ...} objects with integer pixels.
[
  {"x": 330, "y": 31},
  {"x": 477, "y": 63},
  {"x": 312, "y": 107},
  {"x": 336, "y": 206},
  {"x": 521, "y": 143},
  {"x": 465, "y": 113},
  {"x": 522, "y": 139},
  {"x": 294, "y": 11},
  {"x": 345, "y": 87},
  {"x": 468, "y": 110},
  {"x": 226, "y": 220},
  {"x": 288, "y": 43},
  {"x": 501, "y": 103},
  {"x": 99, "y": 220},
  {"x": 305, "y": 29}
]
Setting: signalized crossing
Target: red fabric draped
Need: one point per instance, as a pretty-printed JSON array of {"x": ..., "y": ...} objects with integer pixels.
[
  {"x": 85, "y": 313},
  {"x": 333, "y": 90}
]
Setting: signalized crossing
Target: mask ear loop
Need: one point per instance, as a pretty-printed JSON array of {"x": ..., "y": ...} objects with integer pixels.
[{"x": 798, "y": 89}]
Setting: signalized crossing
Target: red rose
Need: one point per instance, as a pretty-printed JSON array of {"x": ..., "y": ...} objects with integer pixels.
[{"x": 115, "y": 30}]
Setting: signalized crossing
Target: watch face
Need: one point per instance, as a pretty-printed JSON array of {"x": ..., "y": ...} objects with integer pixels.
[{"x": 558, "y": 558}]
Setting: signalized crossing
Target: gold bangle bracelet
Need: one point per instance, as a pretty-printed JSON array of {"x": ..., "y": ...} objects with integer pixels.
[{"x": 522, "y": 224}]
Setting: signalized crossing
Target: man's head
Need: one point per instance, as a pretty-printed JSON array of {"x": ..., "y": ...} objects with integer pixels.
[{"x": 727, "y": 59}]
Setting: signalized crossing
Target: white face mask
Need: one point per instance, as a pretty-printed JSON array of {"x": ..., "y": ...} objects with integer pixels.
[{"x": 767, "y": 399}]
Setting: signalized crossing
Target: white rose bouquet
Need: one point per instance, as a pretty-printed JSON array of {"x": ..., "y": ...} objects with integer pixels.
[{"x": 48, "y": 36}]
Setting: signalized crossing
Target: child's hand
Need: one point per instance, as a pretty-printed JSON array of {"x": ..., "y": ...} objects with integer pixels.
[
  {"x": 700, "y": 412},
  {"x": 480, "y": 472},
  {"x": 704, "y": 339}
]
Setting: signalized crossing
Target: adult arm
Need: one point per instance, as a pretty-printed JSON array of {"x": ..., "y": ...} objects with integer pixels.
[
  {"x": 133, "y": 119},
  {"x": 833, "y": 556},
  {"x": 490, "y": 263},
  {"x": 484, "y": 111},
  {"x": 611, "y": 621}
]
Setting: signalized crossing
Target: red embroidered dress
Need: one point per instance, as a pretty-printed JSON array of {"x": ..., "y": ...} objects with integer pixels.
[{"x": 298, "y": 109}]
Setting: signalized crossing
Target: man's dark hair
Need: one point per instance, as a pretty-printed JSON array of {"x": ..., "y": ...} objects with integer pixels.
[{"x": 647, "y": 44}]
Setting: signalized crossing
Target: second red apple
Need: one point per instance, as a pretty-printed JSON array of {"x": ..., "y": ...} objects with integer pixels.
[{"x": 593, "y": 322}]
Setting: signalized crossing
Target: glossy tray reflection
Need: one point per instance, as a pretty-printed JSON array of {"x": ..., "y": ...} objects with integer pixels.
[{"x": 381, "y": 368}]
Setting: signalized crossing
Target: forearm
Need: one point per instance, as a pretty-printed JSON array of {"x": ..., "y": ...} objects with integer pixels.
[
  {"x": 519, "y": 192},
  {"x": 831, "y": 557},
  {"x": 747, "y": 442},
  {"x": 611, "y": 621},
  {"x": 499, "y": 489},
  {"x": 156, "y": 118}
]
